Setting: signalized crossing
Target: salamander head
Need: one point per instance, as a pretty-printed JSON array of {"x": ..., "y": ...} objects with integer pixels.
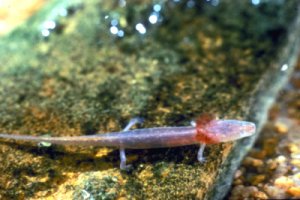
[{"x": 211, "y": 131}]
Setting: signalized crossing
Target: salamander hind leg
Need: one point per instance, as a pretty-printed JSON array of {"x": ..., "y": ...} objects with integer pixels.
[
  {"x": 131, "y": 123},
  {"x": 123, "y": 165}
]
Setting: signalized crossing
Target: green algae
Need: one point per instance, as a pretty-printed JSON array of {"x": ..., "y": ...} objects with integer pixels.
[
  {"x": 106, "y": 188},
  {"x": 81, "y": 79}
]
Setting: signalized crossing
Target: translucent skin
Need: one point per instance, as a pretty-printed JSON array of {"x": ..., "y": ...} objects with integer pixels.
[
  {"x": 207, "y": 131},
  {"x": 133, "y": 139},
  {"x": 210, "y": 131}
]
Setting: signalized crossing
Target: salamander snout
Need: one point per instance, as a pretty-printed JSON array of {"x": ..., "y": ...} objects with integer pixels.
[
  {"x": 235, "y": 129},
  {"x": 248, "y": 129}
]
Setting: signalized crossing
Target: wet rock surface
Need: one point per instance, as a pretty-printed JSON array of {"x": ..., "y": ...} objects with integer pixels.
[
  {"x": 88, "y": 67},
  {"x": 271, "y": 170}
]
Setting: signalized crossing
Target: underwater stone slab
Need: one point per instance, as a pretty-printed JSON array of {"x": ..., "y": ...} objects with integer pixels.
[
  {"x": 264, "y": 96},
  {"x": 95, "y": 69}
]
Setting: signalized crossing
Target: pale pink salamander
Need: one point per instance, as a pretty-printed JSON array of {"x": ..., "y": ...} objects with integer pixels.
[{"x": 205, "y": 130}]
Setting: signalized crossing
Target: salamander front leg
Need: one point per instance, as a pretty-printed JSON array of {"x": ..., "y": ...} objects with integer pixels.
[
  {"x": 131, "y": 123},
  {"x": 200, "y": 157}
]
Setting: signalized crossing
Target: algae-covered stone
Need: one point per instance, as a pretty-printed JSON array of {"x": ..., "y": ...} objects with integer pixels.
[{"x": 89, "y": 66}]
